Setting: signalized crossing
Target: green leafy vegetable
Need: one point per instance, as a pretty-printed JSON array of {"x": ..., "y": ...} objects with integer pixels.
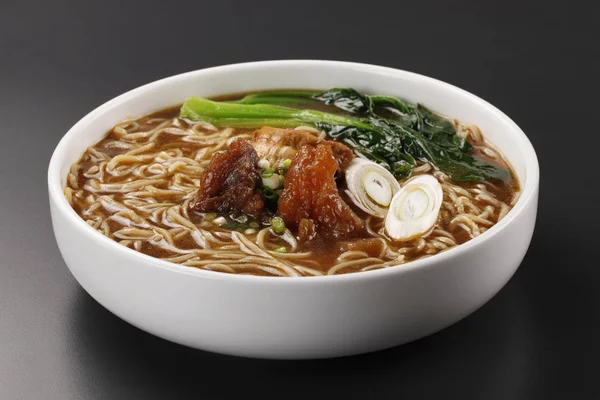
[
  {"x": 412, "y": 133},
  {"x": 352, "y": 101},
  {"x": 392, "y": 102},
  {"x": 348, "y": 100}
]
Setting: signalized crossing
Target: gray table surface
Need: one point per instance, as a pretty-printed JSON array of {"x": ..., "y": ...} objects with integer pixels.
[{"x": 538, "y": 62}]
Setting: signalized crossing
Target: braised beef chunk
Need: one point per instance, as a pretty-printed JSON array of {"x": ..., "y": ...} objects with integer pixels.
[
  {"x": 255, "y": 206},
  {"x": 307, "y": 230},
  {"x": 277, "y": 145},
  {"x": 310, "y": 193},
  {"x": 342, "y": 154},
  {"x": 228, "y": 182}
]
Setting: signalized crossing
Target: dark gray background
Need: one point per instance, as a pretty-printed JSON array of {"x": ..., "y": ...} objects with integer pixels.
[{"x": 538, "y": 338}]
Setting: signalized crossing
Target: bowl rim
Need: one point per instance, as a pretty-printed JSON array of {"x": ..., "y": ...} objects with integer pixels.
[{"x": 528, "y": 191}]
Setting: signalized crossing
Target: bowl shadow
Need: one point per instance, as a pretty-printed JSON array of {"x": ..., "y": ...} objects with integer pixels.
[{"x": 110, "y": 358}]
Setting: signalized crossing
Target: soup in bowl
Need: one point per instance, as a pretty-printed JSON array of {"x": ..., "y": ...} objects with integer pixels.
[{"x": 293, "y": 209}]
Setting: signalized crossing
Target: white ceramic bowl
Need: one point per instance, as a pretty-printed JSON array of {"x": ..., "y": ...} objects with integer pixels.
[{"x": 312, "y": 317}]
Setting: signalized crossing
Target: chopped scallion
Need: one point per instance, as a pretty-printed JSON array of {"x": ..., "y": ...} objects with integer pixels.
[
  {"x": 267, "y": 173},
  {"x": 278, "y": 225},
  {"x": 269, "y": 193}
]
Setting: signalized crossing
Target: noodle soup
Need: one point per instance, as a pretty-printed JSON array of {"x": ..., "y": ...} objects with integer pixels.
[{"x": 254, "y": 184}]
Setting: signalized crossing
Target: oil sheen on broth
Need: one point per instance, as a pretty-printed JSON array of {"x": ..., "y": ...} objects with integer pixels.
[{"x": 139, "y": 186}]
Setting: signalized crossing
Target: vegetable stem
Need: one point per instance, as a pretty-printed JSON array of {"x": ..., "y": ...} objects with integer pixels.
[
  {"x": 251, "y": 115},
  {"x": 297, "y": 97}
]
